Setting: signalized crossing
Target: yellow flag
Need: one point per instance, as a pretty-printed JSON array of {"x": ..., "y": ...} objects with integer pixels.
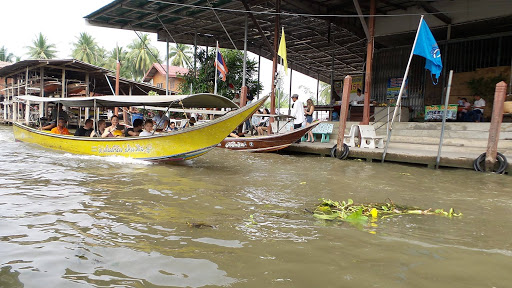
[{"x": 282, "y": 52}]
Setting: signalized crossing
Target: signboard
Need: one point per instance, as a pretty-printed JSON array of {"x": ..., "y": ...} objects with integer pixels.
[
  {"x": 435, "y": 112},
  {"x": 393, "y": 88},
  {"x": 357, "y": 83}
]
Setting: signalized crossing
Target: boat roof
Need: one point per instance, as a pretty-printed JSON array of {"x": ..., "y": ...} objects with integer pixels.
[
  {"x": 202, "y": 100},
  {"x": 212, "y": 112}
]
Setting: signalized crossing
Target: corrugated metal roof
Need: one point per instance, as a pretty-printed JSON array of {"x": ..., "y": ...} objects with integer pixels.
[
  {"x": 314, "y": 31},
  {"x": 76, "y": 69}
]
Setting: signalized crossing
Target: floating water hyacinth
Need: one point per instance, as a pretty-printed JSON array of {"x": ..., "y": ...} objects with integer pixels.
[{"x": 360, "y": 213}]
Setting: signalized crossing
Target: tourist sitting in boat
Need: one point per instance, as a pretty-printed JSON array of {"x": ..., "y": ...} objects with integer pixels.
[
  {"x": 112, "y": 130},
  {"x": 190, "y": 122},
  {"x": 56, "y": 113},
  {"x": 159, "y": 120},
  {"x": 263, "y": 126},
  {"x": 61, "y": 127},
  {"x": 171, "y": 127},
  {"x": 86, "y": 130},
  {"x": 101, "y": 128},
  {"x": 137, "y": 128},
  {"x": 148, "y": 128}
]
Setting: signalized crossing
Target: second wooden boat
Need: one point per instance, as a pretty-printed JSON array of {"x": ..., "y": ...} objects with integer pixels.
[{"x": 268, "y": 143}]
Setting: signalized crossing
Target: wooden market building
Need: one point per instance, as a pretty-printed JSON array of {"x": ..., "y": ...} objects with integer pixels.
[
  {"x": 330, "y": 39},
  {"x": 45, "y": 78}
]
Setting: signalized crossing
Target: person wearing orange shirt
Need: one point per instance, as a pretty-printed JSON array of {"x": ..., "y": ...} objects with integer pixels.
[{"x": 61, "y": 129}]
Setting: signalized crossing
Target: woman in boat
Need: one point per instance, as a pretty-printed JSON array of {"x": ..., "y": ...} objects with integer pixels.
[
  {"x": 310, "y": 108},
  {"x": 112, "y": 131},
  {"x": 263, "y": 126}
]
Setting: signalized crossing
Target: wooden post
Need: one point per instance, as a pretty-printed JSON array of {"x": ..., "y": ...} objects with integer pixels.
[
  {"x": 243, "y": 96},
  {"x": 274, "y": 66},
  {"x": 41, "y": 93},
  {"x": 369, "y": 62},
  {"x": 27, "y": 104},
  {"x": 494, "y": 130},
  {"x": 347, "y": 86},
  {"x": 118, "y": 68},
  {"x": 63, "y": 86},
  {"x": 243, "y": 92},
  {"x": 87, "y": 94}
]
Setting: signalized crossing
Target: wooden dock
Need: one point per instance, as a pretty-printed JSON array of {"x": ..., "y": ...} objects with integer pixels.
[{"x": 418, "y": 143}]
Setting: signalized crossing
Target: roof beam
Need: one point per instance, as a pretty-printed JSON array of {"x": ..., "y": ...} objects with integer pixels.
[
  {"x": 255, "y": 22},
  {"x": 363, "y": 22},
  {"x": 436, "y": 13}
]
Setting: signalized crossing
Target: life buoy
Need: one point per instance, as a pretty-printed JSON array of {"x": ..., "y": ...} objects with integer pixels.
[
  {"x": 502, "y": 160},
  {"x": 344, "y": 153}
]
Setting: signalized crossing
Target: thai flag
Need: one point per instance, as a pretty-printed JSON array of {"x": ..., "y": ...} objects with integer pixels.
[{"x": 221, "y": 65}]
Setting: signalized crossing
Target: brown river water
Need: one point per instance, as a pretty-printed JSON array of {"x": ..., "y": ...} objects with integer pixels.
[{"x": 80, "y": 221}]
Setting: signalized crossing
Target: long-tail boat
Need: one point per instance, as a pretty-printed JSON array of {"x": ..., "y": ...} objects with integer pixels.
[
  {"x": 266, "y": 143},
  {"x": 179, "y": 145}
]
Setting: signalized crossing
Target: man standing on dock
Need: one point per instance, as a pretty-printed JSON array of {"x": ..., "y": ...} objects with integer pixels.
[{"x": 297, "y": 112}]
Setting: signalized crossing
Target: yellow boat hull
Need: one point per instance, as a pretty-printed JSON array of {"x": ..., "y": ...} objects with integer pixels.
[{"x": 175, "y": 146}]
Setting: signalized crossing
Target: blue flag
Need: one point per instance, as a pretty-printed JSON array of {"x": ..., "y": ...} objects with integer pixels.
[{"x": 426, "y": 46}]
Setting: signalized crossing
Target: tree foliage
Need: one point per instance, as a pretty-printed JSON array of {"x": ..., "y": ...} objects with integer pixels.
[
  {"x": 6, "y": 56},
  {"x": 180, "y": 55},
  {"x": 86, "y": 49},
  {"x": 41, "y": 49},
  {"x": 202, "y": 80},
  {"x": 142, "y": 55}
]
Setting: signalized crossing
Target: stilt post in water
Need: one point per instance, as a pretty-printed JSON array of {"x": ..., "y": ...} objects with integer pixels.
[
  {"x": 347, "y": 84},
  {"x": 494, "y": 130}
]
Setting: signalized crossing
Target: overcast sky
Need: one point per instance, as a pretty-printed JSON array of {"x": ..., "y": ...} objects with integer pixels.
[{"x": 61, "y": 21}]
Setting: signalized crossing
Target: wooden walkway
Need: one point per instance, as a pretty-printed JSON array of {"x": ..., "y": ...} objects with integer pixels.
[{"x": 455, "y": 156}]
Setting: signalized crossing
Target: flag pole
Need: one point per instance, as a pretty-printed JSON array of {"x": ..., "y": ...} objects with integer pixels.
[
  {"x": 215, "y": 64},
  {"x": 404, "y": 80}
]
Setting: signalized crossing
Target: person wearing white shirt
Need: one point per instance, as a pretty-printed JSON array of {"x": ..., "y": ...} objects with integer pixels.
[
  {"x": 160, "y": 119},
  {"x": 297, "y": 112},
  {"x": 478, "y": 108},
  {"x": 358, "y": 98}
]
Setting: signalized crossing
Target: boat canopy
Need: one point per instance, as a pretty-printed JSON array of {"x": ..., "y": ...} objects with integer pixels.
[
  {"x": 213, "y": 112},
  {"x": 202, "y": 100}
]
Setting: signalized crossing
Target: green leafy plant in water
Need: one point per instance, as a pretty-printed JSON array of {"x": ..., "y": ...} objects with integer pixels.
[
  {"x": 251, "y": 221},
  {"x": 358, "y": 214}
]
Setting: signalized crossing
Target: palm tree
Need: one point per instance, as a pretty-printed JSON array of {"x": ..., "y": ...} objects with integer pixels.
[
  {"x": 41, "y": 49},
  {"x": 86, "y": 49},
  {"x": 142, "y": 55},
  {"x": 180, "y": 55},
  {"x": 6, "y": 56}
]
